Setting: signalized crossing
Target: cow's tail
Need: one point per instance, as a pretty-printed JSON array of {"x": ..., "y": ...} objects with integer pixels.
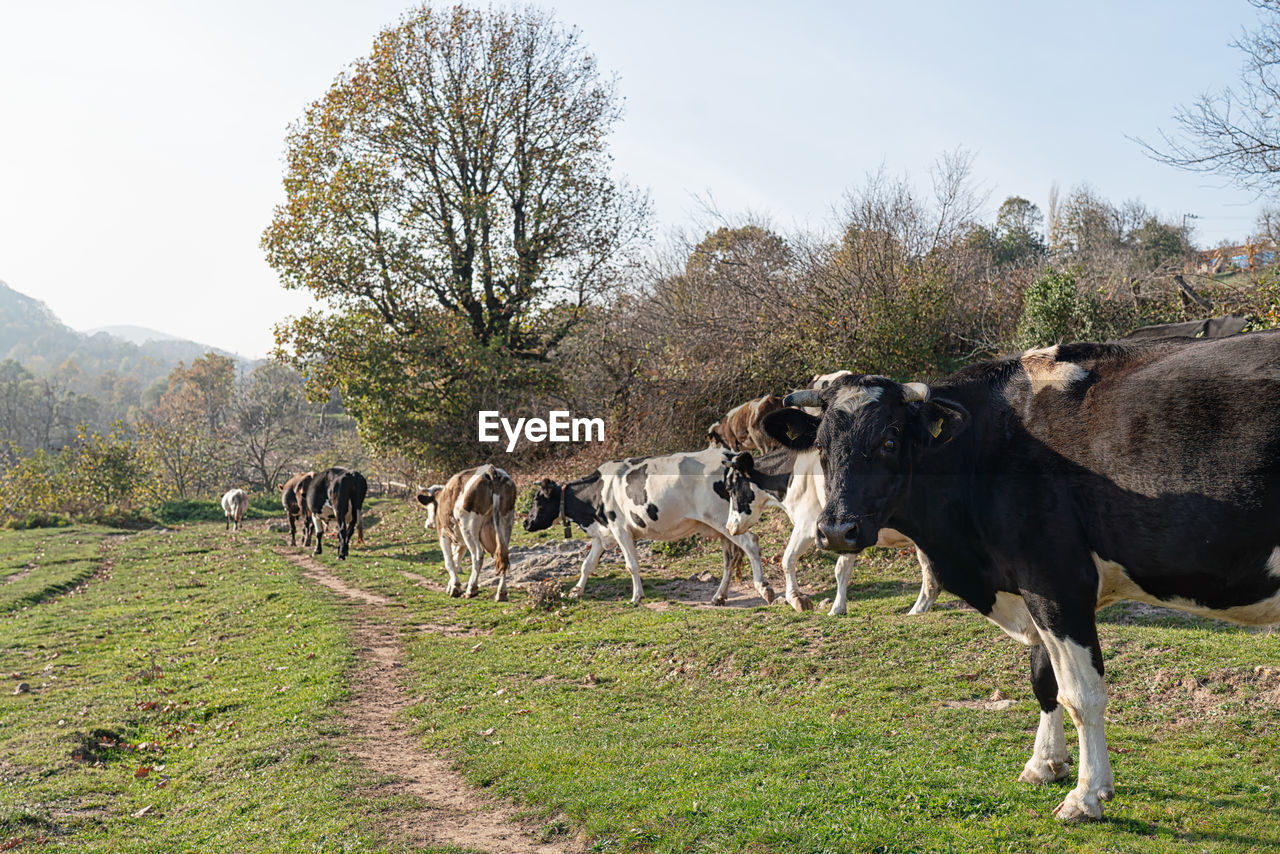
[{"x": 502, "y": 492}]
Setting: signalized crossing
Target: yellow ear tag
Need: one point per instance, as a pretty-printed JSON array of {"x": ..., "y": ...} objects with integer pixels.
[
  {"x": 791, "y": 433},
  {"x": 935, "y": 429}
]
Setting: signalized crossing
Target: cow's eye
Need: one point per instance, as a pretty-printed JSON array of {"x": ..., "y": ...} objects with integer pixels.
[{"x": 889, "y": 446}]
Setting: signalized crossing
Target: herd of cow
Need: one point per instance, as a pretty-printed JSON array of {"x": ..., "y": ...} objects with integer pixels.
[{"x": 1037, "y": 487}]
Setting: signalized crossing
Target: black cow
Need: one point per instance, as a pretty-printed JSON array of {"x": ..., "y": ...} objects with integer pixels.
[
  {"x": 1046, "y": 485},
  {"x": 337, "y": 493}
]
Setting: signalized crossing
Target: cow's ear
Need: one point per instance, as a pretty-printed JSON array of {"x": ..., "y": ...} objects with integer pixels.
[
  {"x": 742, "y": 461},
  {"x": 280, "y": 487},
  {"x": 939, "y": 421},
  {"x": 547, "y": 486},
  {"x": 793, "y": 428},
  {"x": 426, "y": 499}
]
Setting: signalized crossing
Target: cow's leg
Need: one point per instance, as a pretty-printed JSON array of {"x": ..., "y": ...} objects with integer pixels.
[
  {"x": 1071, "y": 637},
  {"x": 454, "y": 587},
  {"x": 930, "y": 587},
  {"x": 750, "y": 544},
  {"x": 293, "y": 531},
  {"x": 470, "y": 528},
  {"x": 319, "y": 525},
  {"x": 731, "y": 553},
  {"x": 844, "y": 569},
  {"x": 227, "y": 527},
  {"x": 628, "y": 546},
  {"x": 593, "y": 558},
  {"x": 1050, "y": 761},
  {"x": 799, "y": 544}
]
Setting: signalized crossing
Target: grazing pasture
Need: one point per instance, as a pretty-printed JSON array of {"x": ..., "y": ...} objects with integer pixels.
[{"x": 668, "y": 727}]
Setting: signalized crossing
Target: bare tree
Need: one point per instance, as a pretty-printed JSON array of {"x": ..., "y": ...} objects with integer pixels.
[{"x": 1235, "y": 132}]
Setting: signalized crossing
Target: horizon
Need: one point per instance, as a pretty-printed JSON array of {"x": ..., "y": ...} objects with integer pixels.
[{"x": 158, "y": 185}]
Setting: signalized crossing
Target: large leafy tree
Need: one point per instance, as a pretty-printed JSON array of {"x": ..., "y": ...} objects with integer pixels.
[{"x": 455, "y": 181}]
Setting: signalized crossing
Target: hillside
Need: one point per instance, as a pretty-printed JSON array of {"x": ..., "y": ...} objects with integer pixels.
[{"x": 32, "y": 335}]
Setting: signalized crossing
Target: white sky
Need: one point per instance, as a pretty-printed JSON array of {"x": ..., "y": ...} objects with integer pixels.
[{"x": 141, "y": 142}]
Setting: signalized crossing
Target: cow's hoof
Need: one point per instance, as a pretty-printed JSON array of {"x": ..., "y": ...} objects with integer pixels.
[
  {"x": 1075, "y": 808},
  {"x": 718, "y": 601},
  {"x": 633, "y": 602},
  {"x": 917, "y": 610},
  {"x": 500, "y": 596},
  {"x": 768, "y": 595},
  {"x": 575, "y": 592},
  {"x": 800, "y": 602},
  {"x": 836, "y": 611},
  {"x": 453, "y": 591},
  {"x": 1038, "y": 772},
  {"x": 470, "y": 593}
]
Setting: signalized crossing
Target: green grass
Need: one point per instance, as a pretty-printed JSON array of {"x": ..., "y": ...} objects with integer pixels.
[
  {"x": 202, "y": 657},
  {"x": 669, "y": 730}
]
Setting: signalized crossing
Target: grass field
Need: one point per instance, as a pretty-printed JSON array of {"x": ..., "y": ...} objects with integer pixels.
[{"x": 187, "y": 690}]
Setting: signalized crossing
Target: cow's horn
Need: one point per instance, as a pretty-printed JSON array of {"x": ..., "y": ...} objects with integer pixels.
[
  {"x": 912, "y": 392},
  {"x": 803, "y": 397}
]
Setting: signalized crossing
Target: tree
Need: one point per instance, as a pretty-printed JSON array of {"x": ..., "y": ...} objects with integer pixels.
[
  {"x": 1236, "y": 132},
  {"x": 1018, "y": 233},
  {"x": 455, "y": 178},
  {"x": 270, "y": 418}
]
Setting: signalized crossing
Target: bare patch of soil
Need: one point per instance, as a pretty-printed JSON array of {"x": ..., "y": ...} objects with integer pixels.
[
  {"x": 997, "y": 702},
  {"x": 1208, "y": 693},
  {"x": 26, "y": 570},
  {"x": 698, "y": 590},
  {"x": 453, "y": 813}
]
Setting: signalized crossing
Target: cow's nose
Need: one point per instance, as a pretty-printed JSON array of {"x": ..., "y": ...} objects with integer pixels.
[{"x": 837, "y": 536}]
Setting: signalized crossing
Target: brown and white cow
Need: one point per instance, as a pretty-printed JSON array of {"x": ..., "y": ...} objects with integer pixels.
[
  {"x": 740, "y": 430},
  {"x": 234, "y": 503},
  {"x": 293, "y": 497},
  {"x": 475, "y": 509}
]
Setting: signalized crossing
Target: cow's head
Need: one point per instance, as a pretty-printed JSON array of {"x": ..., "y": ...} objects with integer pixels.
[
  {"x": 746, "y": 502},
  {"x": 714, "y": 437},
  {"x": 870, "y": 433},
  {"x": 427, "y": 498},
  {"x": 546, "y": 506}
]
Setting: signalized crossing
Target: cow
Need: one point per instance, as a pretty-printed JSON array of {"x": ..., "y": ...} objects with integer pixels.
[
  {"x": 1212, "y": 327},
  {"x": 293, "y": 497},
  {"x": 234, "y": 503},
  {"x": 739, "y": 429},
  {"x": 657, "y": 498},
  {"x": 793, "y": 480},
  {"x": 337, "y": 494},
  {"x": 1053, "y": 482},
  {"x": 475, "y": 509}
]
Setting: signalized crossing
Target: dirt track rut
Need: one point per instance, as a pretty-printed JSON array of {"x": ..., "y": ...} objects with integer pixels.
[{"x": 452, "y": 813}]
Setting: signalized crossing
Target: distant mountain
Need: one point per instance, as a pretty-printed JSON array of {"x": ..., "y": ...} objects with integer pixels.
[
  {"x": 33, "y": 336},
  {"x": 135, "y": 334}
]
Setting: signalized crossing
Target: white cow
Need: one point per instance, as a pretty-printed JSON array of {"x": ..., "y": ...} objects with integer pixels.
[
  {"x": 793, "y": 481},
  {"x": 234, "y": 504}
]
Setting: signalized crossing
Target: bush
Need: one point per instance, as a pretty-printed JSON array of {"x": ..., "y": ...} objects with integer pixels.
[{"x": 37, "y": 520}]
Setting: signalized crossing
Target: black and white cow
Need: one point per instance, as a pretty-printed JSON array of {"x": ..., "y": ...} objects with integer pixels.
[
  {"x": 338, "y": 494},
  {"x": 1046, "y": 485},
  {"x": 655, "y": 498},
  {"x": 793, "y": 481}
]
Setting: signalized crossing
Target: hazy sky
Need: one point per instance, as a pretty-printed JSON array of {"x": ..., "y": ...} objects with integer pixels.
[{"x": 141, "y": 142}]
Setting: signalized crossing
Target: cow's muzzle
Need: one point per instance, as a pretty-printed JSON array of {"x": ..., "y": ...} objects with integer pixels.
[{"x": 839, "y": 536}]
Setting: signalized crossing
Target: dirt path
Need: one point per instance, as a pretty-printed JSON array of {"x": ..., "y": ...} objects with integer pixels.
[{"x": 452, "y": 813}]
